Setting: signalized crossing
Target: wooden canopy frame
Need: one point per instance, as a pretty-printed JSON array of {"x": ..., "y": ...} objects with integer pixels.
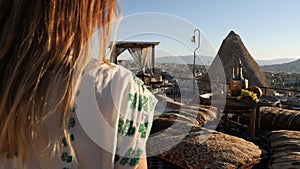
[{"x": 120, "y": 46}]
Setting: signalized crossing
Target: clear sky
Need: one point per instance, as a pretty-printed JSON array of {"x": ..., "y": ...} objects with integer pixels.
[{"x": 269, "y": 28}]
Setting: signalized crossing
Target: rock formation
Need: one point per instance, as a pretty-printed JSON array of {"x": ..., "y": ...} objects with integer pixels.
[{"x": 231, "y": 52}]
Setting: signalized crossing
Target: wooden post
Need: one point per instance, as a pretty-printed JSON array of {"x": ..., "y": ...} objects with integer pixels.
[
  {"x": 252, "y": 122},
  {"x": 257, "y": 120},
  {"x": 153, "y": 58}
]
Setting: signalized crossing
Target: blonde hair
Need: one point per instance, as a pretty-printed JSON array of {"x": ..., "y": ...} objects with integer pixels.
[{"x": 44, "y": 45}]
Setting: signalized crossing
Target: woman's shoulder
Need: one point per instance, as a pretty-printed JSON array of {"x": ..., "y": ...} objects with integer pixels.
[{"x": 107, "y": 70}]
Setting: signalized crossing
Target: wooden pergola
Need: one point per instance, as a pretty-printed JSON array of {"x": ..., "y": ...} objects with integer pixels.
[{"x": 120, "y": 46}]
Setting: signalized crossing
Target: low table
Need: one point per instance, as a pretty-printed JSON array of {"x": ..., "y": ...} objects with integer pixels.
[
  {"x": 234, "y": 106},
  {"x": 239, "y": 107}
]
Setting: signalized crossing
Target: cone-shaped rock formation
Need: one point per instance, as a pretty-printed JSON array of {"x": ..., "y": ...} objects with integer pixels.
[{"x": 229, "y": 55}]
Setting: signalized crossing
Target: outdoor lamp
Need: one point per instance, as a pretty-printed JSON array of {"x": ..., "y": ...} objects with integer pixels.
[{"x": 194, "y": 41}]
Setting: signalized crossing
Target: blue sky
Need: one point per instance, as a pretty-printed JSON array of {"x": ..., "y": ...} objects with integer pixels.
[{"x": 269, "y": 28}]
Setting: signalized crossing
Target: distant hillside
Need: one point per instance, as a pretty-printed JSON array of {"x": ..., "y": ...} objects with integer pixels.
[
  {"x": 200, "y": 60},
  {"x": 274, "y": 61},
  {"x": 207, "y": 60},
  {"x": 293, "y": 67},
  {"x": 286, "y": 64}
]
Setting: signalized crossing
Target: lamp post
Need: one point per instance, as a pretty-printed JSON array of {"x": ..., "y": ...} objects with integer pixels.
[{"x": 198, "y": 46}]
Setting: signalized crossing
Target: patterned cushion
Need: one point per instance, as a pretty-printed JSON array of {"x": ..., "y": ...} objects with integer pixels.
[
  {"x": 192, "y": 115},
  {"x": 274, "y": 118},
  {"x": 207, "y": 149},
  {"x": 285, "y": 149},
  {"x": 180, "y": 140}
]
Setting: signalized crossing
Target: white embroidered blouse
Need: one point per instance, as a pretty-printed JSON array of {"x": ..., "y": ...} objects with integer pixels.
[{"x": 110, "y": 122}]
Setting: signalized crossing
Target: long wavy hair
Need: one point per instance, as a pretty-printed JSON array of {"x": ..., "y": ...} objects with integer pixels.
[{"x": 44, "y": 46}]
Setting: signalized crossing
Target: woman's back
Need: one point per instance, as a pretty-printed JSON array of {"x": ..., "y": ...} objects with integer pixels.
[{"x": 109, "y": 124}]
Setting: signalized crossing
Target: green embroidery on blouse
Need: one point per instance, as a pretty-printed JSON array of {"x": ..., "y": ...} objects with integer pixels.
[
  {"x": 144, "y": 135},
  {"x": 134, "y": 161},
  {"x": 133, "y": 99},
  {"x": 151, "y": 104},
  {"x": 126, "y": 127},
  {"x": 139, "y": 152},
  {"x": 72, "y": 122},
  {"x": 120, "y": 125},
  {"x": 131, "y": 157},
  {"x": 140, "y": 102},
  {"x": 66, "y": 157},
  {"x": 124, "y": 160},
  {"x": 72, "y": 137},
  {"x": 137, "y": 80},
  {"x": 144, "y": 131},
  {"x": 142, "y": 128},
  {"x": 117, "y": 158},
  {"x": 131, "y": 131},
  {"x": 64, "y": 140}
]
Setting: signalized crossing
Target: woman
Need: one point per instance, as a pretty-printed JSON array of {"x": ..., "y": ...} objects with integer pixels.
[{"x": 44, "y": 47}]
